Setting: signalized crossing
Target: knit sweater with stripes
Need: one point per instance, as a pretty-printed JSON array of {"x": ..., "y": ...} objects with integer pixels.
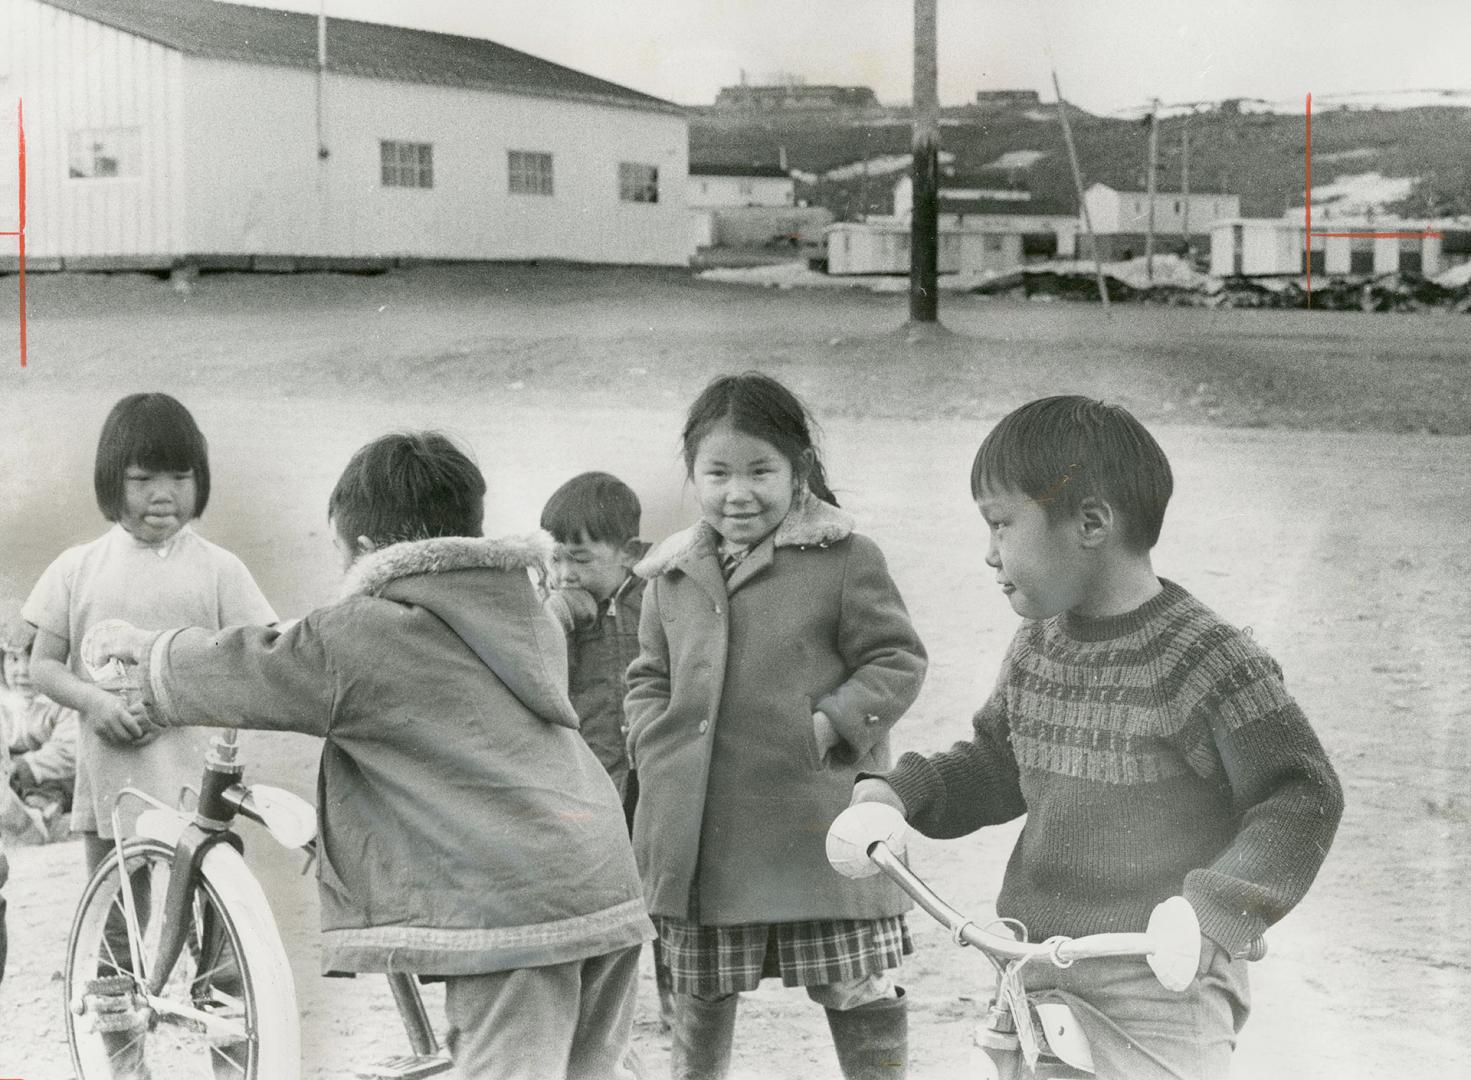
[{"x": 1154, "y": 753}]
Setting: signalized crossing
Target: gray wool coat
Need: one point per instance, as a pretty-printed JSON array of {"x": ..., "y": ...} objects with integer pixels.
[
  {"x": 734, "y": 801},
  {"x": 464, "y": 825}
]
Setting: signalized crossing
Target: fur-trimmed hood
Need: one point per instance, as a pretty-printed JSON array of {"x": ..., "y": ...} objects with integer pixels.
[
  {"x": 373, "y": 571},
  {"x": 482, "y": 590},
  {"x": 809, "y": 522}
]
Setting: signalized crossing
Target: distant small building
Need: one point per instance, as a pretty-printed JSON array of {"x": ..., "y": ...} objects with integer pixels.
[
  {"x": 751, "y": 206},
  {"x": 1004, "y": 100},
  {"x": 739, "y": 185},
  {"x": 1120, "y": 219},
  {"x": 1262, "y": 247},
  {"x": 881, "y": 246},
  {"x": 1256, "y": 247},
  {"x": 1047, "y": 227},
  {"x": 795, "y": 96}
]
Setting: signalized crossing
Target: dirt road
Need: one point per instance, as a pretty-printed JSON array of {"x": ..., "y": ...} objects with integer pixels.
[{"x": 1344, "y": 552}]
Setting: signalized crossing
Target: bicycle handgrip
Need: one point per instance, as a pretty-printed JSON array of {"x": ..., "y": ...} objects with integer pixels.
[
  {"x": 852, "y": 836},
  {"x": 292, "y": 820}
]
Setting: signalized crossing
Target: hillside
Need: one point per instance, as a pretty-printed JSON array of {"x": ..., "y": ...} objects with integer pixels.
[{"x": 1258, "y": 155}]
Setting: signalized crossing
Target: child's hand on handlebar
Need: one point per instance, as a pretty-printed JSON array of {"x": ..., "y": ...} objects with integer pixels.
[
  {"x": 115, "y": 639},
  {"x": 872, "y": 789},
  {"x": 119, "y": 723}
]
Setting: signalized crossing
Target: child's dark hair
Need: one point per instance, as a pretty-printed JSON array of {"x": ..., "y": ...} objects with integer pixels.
[
  {"x": 409, "y": 485},
  {"x": 596, "y": 506},
  {"x": 1061, "y": 450},
  {"x": 759, "y": 406},
  {"x": 148, "y": 431}
]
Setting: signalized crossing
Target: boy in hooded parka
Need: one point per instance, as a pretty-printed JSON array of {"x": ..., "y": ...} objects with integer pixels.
[{"x": 466, "y": 830}]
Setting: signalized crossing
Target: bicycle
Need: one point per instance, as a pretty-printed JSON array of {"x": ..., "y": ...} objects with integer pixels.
[
  {"x": 1019, "y": 1037},
  {"x": 175, "y": 967}
]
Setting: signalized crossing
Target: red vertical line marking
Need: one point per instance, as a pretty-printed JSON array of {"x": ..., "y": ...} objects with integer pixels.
[
  {"x": 1307, "y": 239},
  {"x": 20, "y": 127}
]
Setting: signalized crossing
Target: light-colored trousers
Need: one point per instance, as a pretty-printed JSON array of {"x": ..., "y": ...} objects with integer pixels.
[{"x": 568, "y": 1020}]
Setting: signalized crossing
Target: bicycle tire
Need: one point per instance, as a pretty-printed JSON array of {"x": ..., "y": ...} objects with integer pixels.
[{"x": 232, "y": 1018}]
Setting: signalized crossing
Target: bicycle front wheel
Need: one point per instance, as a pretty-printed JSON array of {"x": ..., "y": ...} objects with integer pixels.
[{"x": 228, "y": 1008}]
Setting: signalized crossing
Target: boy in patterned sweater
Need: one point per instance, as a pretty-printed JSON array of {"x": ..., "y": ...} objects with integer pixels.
[{"x": 1151, "y": 745}]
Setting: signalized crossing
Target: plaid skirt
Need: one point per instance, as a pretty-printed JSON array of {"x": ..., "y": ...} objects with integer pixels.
[{"x": 727, "y": 959}]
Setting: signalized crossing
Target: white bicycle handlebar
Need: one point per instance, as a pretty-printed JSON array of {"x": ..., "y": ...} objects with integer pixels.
[{"x": 1170, "y": 944}]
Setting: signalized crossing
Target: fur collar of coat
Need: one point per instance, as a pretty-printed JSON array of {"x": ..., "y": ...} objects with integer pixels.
[
  {"x": 439, "y": 555},
  {"x": 809, "y": 522}
]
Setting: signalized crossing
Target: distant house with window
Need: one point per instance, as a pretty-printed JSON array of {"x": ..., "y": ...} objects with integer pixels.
[
  {"x": 713, "y": 186},
  {"x": 751, "y": 206},
  {"x": 1120, "y": 219},
  {"x": 162, "y": 133},
  {"x": 1037, "y": 225}
]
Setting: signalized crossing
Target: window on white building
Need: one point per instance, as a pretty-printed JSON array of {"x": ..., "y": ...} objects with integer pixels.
[
  {"x": 1177, "y": 206},
  {"x": 407, "y": 164},
  {"x": 530, "y": 172},
  {"x": 638, "y": 183},
  {"x": 99, "y": 153}
]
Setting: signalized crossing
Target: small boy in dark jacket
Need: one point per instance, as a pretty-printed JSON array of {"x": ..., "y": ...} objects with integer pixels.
[
  {"x": 465, "y": 830},
  {"x": 1152, "y": 746},
  {"x": 594, "y": 519}
]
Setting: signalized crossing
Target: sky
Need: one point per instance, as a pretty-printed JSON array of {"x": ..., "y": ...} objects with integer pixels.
[{"x": 1112, "y": 55}]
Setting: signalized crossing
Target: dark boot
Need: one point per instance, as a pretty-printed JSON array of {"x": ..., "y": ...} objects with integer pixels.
[
  {"x": 700, "y": 1045},
  {"x": 872, "y": 1040}
]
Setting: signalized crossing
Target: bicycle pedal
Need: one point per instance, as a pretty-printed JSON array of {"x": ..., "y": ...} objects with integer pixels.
[
  {"x": 407, "y": 1067},
  {"x": 114, "y": 1004}
]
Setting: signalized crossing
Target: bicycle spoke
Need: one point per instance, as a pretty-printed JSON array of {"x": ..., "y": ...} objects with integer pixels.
[
  {"x": 127, "y": 1048},
  {"x": 204, "y": 1022},
  {"x": 111, "y": 956},
  {"x": 235, "y": 1063}
]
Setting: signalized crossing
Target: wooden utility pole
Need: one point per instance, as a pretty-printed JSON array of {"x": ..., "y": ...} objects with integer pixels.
[
  {"x": 1153, "y": 161},
  {"x": 1072, "y": 156},
  {"x": 924, "y": 220}
]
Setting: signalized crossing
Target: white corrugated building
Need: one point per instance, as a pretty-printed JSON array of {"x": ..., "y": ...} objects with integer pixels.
[
  {"x": 170, "y": 132},
  {"x": 1274, "y": 246}
]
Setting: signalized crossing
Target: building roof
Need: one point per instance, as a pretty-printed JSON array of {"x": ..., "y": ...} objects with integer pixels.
[
  {"x": 254, "y": 35},
  {"x": 1017, "y": 159},
  {"x": 1033, "y": 207},
  {"x": 1163, "y": 188},
  {"x": 775, "y": 171}
]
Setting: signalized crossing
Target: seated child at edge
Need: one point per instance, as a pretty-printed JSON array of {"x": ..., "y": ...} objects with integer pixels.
[
  {"x": 466, "y": 831},
  {"x": 1151, "y": 745},
  {"x": 41, "y": 735},
  {"x": 594, "y": 518}
]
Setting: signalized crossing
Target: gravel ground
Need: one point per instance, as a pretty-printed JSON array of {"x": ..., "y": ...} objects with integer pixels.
[{"x": 1311, "y": 505}]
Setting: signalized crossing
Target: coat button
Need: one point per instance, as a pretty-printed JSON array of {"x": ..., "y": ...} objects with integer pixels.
[
  {"x": 704, "y": 726},
  {"x": 717, "y": 609}
]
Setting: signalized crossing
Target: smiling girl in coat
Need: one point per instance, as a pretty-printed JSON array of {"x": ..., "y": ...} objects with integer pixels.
[{"x": 775, "y": 655}]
